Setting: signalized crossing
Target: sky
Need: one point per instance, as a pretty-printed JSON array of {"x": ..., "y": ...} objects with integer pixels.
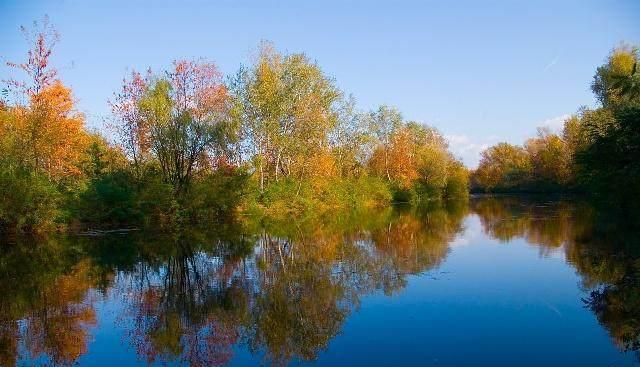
[{"x": 480, "y": 71}]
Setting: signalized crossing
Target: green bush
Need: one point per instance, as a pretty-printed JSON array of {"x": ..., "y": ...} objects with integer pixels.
[
  {"x": 28, "y": 201},
  {"x": 291, "y": 196},
  {"x": 110, "y": 199},
  {"x": 457, "y": 186},
  {"x": 118, "y": 199},
  {"x": 405, "y": 195},
  {"x": 216, "y": 194}
]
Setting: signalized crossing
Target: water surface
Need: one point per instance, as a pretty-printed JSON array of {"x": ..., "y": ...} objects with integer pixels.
[{"x": 499, "y": 281}]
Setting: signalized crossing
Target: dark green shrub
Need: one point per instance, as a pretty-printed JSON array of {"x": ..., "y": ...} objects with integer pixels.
[
  {"x": 216, "y": 194},
  {"x": 28, "y": 201}
]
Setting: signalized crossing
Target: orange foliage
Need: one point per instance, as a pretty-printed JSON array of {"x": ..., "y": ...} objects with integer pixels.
[
  {"x": 60, "y": 320},
  {"x": 49, "y": 135},
  {"x": 402, "y": 154},
  {"x": 322, "y": 164}
]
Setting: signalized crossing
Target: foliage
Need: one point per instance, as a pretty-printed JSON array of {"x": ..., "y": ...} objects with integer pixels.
[
  {"x": 597, "y": 152},
  {"x": 279, "y": 137},
  {"x": 617, "y": 82},
  {"x": 179, "y": 119},
  {"x": 42, "y": 140},
  {"x": 217, "y": 194},
  {"x": 549, "y": 160},
  {"x": 286, "y": 107},
  {"x": 608, "y": 151},
  {"x": 28, "y": 201},
  {"x": 610, "y": 164},
  {"x": 503, "y": 167}
]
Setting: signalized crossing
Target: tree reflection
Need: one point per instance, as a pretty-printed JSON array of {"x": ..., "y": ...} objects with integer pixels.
[
  {"x": 608, "y": 259},
  {"x": 184, "y": 305},
  {"x": 603, "y": 248},
  {"x": 542, "y": 222},
  {"x": 414, "y": 241},
  {"x": 46, "y": 308},
  {"x": 282, "y": 288}
]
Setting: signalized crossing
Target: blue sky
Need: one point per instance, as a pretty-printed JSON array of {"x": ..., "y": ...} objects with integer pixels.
[{"x": 480, "y": 71}]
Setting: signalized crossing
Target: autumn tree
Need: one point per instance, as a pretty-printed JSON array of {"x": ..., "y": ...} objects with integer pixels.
[
  {"x": 503, "y": 166},
  {"x": 413, "y": 157},
  {"x": 42, "y": 138},
  {"x": 178, "y": 119},
  {"x": 46, "y": 132},
  {"x": 550, "y": 158},
  {"x": 617, "y": 82},
  {"x": 129, "y": 122},
  {"x": 383, "y": 123},
  {"x": 350, "y": 140},
  {"x": 603, "y": 142},
  {"x": 287, "y": 107}
]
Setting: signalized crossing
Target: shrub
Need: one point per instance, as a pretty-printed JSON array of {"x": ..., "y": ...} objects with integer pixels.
[
  {"x": 28, "y": 201},
  {"x": 110, "y": 199},
  {"x": 216, "y": 194}
]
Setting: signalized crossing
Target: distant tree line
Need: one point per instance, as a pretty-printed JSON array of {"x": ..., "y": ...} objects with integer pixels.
[
  {"x": 278, "y": 137},
  {"x": 598, "y": 151}
]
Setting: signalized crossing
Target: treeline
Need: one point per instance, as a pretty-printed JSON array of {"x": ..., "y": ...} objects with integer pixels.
[
  {"x": 276, "y": 137},
  {"x": 598, "y": 151}
]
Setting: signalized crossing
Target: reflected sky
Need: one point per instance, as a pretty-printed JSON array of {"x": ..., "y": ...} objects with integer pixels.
[{"x": 496, "y": 281}]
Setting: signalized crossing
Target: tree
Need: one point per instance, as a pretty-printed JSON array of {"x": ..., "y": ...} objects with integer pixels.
[
  {"x": 604, "y": 141},
  {"x": 350, "y": 140},
  {"x": 503, "y": 166},
  {"x": 129, "y": 123},
  {"x": 287, "y": 107},
  {"x": 177, "y": 118},
  {"x": 40, "y": 75},
  {"x": 47, "y": 133},
  {"x": 617, "y": 82},
  {"x": 43, "y": 142},
  {"x": 608, "y": 166},
  {"x": 550, "y": 159},
  {"x": 383, "y": 123}
]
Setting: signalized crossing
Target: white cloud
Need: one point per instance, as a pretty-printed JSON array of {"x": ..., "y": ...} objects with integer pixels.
[
  {"x": 468, "y": 149},
  {"x": 555, "y": 124}
]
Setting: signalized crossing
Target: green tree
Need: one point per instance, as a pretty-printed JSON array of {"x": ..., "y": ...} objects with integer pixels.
[{"x": 617, "y": 82}]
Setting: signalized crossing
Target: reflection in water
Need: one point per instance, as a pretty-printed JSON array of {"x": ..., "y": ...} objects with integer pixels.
[
  {"x": 548, "y": 224},
  {"x": 46, "y": 308},
  {"x": 608, "y": 259},
  {"x": 605, "y": 253},
  {"x": 281, "y": 290}
]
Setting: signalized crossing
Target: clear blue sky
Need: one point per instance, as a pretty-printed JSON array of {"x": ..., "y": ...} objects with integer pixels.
[{"x": 480, "y": 71}]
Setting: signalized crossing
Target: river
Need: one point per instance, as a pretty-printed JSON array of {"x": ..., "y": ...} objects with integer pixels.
[{"x": 497, "y": 281}]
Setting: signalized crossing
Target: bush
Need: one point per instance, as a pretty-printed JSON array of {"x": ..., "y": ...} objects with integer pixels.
[
  {"x": 28, "y": 201},
  {"x": 294, "y": 196},
  {"x": 110, "y": 199},
  {"x": 216, "y": 194},
  {"x": 405, "y": 195},
  {"x": 457, "y": 186}
]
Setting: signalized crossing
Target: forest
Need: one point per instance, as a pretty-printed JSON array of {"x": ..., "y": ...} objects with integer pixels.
[
  {"x": 277, "y": 138},
  {"x": 597, "y": 153},
  {"x": 188, "y": 144}
]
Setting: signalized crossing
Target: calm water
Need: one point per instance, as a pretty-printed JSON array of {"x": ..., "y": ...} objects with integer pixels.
[{"x": 500, "y": 282}]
